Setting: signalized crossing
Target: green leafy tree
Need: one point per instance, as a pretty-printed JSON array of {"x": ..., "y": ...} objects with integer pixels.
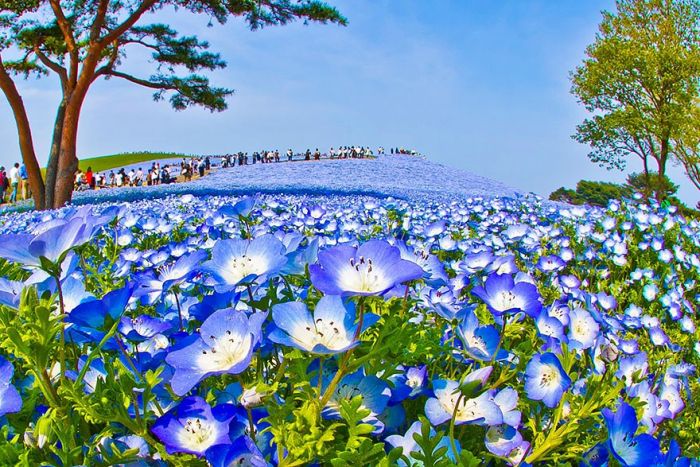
[
  {"x": 640, "y": 82},
  {"x": 565, "y": 195},
  {"x": 593, "y": 193},
  {"x": 648, "y": 183},
  {"x": 83, "y": 41}
]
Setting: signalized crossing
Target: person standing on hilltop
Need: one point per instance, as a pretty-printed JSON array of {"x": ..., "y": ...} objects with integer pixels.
[{"x": 14, "y": 182}]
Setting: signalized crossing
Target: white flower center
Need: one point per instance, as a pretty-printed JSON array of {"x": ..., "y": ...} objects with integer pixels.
[
  {"x": 224, "y": 352},
  {"x": 414, "y": 381},
  {"x": 506, "y": 300},
  {"x": 246, "y": 265},
  {"x": 549, "y": 377},
  {"x": 198, "y": 435},
  {"x": 363, "y": 276},
  {"x": 329, "y": 334},
  {"x": 466, "y": 411}
]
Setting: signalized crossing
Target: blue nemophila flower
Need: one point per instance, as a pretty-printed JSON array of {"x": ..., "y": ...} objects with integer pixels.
[
  {"x": 330, "y": 330},
  {"x": 480, "y": 410},
  {"x": 631, "y": 367},
  {"x": 210, "y": 303},
  {"x": 243, "y": 207},
  {"x": 597, "y": 456},
  {"x": 370, "y": 269},
  {"x": 10, "y": 292},
  {"x": 475, "y": 262},
  {"x": 480, "y": 342},
  {"x": 143, "y": 327},
  {"x": 431, "y": 264},
  {"x": 507, "y": 401},
  {"x": 52, "y": 244},
  {"x": 409, "y": 383},
  {"x": 583, "y": 329},
  {"x": 10, "y": 400},
  {"x": 224, "y": 344},
  {"x": 549, "y": 326},
  {"x": 242, "y": 451},
  {"x": 550, "y": 263},
  {"x": 375, "y": 397},
  {"x": 500, "y": 440},
  {"x": 673, "y": 457},
  {"x": 503, "y": 295},
  {"x": 169, "y": 276},
  {"x": 74, "y": 293},
  {"x": 631, "y": 450},
  {"x": 193, "y": 426},
  {"x": 237, "y": 261},
  {"x": 92, "y": 319},
  {"x": 545, "y": 379},
  {"x": 442, "y": 301}
]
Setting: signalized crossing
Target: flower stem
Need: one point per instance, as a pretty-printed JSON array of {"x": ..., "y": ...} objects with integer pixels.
[
  {"x": 179, "y": 310},
  {"x": 250, "y": 296},
  {"x": 346, "y": 358},
  {"x": 122, "y": 348},
  {"x": 453, "y": 443},
  {"x": 320, "y": 375},
  {"x": 500, "y": 340},
  {"x": 95, "y": 351},
  {"x": 62, "y": 348},
  {"x": 404, "y": 308}
]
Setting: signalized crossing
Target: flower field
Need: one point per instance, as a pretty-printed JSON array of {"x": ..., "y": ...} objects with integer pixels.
[
  {"x": 404, "y": 177},
  {"x": 291, "y": 329}
]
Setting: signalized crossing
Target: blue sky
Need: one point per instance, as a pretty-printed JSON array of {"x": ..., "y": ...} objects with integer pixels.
[{"x": 478, "y": 85}]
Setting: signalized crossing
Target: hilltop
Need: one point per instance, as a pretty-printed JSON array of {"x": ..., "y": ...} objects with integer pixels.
[{"x": 403, "y": 177}]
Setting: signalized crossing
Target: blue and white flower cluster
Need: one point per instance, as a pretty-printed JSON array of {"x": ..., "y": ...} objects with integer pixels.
[{"x": 295, "y": 330}]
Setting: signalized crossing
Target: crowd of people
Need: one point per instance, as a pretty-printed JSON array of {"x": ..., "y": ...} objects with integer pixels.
[
  {"x": 269, "y": 156},
  {"x": 14, "y": 185},
  {"x": 157, "y": 174},
  {"x": 342, "y": 152}
]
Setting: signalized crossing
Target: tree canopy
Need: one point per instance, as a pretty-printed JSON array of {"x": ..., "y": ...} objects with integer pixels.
[{"x": 640, "y": 81}]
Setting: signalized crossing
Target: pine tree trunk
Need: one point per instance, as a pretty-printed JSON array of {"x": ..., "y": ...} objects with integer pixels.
[
  {"x": 52, "y": 166},
  {"x": 67, "y": 157},
  {"x": 67, "y": 153}
]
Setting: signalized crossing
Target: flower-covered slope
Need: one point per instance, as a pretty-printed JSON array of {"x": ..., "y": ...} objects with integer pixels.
[{"x": 403, "y": 177}]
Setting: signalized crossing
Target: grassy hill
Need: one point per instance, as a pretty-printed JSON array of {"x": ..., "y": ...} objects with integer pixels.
[{"x": 102, "y": 163}]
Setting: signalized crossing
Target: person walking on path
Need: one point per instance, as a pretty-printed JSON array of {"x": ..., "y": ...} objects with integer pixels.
[{"x": 14, "y": 182}]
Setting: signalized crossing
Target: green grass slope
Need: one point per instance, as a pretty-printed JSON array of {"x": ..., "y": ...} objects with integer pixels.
[{"x": 99, "y": 164}]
